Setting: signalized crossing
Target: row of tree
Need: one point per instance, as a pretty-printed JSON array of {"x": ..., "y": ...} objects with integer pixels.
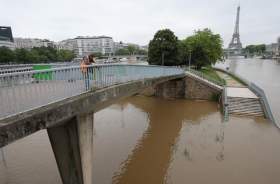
[
  {"x": 203, "y": 48},
  {"x": 36, "y": 55},
  {"x": 131, "y": 49},
  {"x": 255, "y": 49}
]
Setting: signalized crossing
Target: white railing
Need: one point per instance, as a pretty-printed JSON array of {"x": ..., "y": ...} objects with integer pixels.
[{"x": 23, "y": 91}]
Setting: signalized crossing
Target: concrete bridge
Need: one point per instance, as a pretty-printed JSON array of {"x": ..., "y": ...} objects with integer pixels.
[
  {"x": 63, "y": 101},
  {"x": 118, "y": 58}
]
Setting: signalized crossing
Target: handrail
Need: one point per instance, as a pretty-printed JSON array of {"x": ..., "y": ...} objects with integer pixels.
[
  {"x": 23, "y": 91},
  {"x": 206, "y": 77},
  {"x": 225, "y": 100},
  {"x": 260, "y": 92},
  {"x": 225, "y": 108}
]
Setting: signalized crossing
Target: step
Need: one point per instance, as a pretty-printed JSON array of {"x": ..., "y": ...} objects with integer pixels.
[
  {"x": 246, "y": 114},
  {"x": 234, "y": 99},
  {"x": 244, "y": 105}
]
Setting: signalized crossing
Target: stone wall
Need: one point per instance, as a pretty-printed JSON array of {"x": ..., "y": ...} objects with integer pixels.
[
  {"x": 185, "y": 87},
  {"x": 198, "y": 90}
]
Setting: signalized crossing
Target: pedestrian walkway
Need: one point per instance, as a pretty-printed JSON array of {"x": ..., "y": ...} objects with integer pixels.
[
  {"x": 241, "y": 99},
  {"x": 230, "y": 81}
]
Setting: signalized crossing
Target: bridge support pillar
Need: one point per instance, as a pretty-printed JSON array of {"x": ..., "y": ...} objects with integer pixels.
[
  {"x": 133, "y": 59},
  {"x": 72, "y": 143}
]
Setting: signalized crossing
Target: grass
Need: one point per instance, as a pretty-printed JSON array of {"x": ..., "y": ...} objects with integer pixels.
[
  {"x": 217, "y": 139},
  {"x": 233, "y": 76},
  {"x": 172, "y": 143},
  {"x": 212, "y": 74},
  {"x": 209, "y": 73},
  {"x": 186, "y": 153}
]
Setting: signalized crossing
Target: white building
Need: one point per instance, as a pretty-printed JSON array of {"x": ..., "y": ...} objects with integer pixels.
[
  {"x": 4, "y": 41},
  {"x": 144, "y": 48},
  {"x": 87, "y": 45},
  {"x": 65, "y": 45},
  {"x": 29, "y": 43},
  {"x": 274, "y": 47}
]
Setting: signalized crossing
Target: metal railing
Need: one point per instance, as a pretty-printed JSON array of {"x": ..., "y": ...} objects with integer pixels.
[
  {"x": 225, "y": 101},
  {"x": 225, "y": 108},
  {"x": 260, "y": 92},
  {"x": 24, "y": 91},
  {"x": 15, "y": 68},
  {"x": 201, "y": 75}
]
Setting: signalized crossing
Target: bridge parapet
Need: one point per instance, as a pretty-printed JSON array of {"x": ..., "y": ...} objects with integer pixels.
[{"x": 24, "y": 91}]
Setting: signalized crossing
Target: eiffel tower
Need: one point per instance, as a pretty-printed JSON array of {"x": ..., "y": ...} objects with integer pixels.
[{"x": 235, "y": 41}]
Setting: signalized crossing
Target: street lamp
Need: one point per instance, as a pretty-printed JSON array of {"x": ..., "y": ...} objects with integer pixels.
[
  {"x": 227, "y": 71},
  {"x": 162, "y": 58},
  {"x": 190, "y": 60}
]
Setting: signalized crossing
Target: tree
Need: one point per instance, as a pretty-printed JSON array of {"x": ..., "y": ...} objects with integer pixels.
[
  {"x": 166, "y": 42},
  {"x": 206, "y": 47},
  {"x": 131, "y": 48},
  {"x": 255, "y": 48},
  {"x": 21, "y": 55},
  {"x": 142, "y": 52},
  {"x": 97, "y": 54},
  {"x": 122, "y": 52},
  {"x": 6, "y": 55}
]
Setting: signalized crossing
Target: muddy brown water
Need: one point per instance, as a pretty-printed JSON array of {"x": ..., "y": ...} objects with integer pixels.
[{"x": 155, "y": 140}]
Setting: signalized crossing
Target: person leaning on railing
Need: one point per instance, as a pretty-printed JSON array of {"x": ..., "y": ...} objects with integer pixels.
[{"x": 87, "y": 60}]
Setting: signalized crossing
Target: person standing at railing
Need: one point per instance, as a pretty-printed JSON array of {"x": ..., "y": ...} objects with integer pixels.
[{"x": 87, "y": 60}]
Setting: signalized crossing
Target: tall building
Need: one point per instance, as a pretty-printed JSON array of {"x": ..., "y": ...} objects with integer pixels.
[
  {"x": 6, "y": 37},
  {"x": 84, "y": 45},
  {"x": 273, "y": 47},
  {"x": 65, "y": 45},
  {"x": 235, "y": 41},
  {"x": 29, "y": 43}
]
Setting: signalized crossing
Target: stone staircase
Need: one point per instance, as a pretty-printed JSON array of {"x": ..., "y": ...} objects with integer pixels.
[{"x": 245, "y": 106}]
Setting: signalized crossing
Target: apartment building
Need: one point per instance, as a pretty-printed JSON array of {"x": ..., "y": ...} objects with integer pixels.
[
  {"x": 6, "y": 37},
  {"x": 84, "y": 45}
]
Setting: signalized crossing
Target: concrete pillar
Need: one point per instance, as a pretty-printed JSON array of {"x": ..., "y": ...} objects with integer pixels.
[
  {"x": 133, "y": 59},
  {"x": 72, "y": 143}
]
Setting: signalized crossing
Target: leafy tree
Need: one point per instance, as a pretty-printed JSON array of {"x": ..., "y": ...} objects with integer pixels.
[
  {"x": 97, "y": 54},
  {"x": 166, "y": 42},
  {"x": 206, "y": 47},
  {"x": 255, "y": 48},
  {"x": 6, "y": 55},
  {"x": 142, "y": 52},
  {"x": 21, "y": 55},
  {"x": 131, "y": 48},
  {"x": 122, "y": 52}
]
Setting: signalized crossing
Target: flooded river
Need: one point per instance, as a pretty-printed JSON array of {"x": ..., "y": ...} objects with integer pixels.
[{"x": 154, "y": 140}]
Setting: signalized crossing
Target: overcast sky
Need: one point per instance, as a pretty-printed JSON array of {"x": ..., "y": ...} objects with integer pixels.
[{"x": 136, "y": 21}]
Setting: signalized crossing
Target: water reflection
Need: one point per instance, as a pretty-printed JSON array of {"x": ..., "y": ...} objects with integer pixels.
[
  {"x": 152, "y": 150},
  {"x": 155, "y": 140}
]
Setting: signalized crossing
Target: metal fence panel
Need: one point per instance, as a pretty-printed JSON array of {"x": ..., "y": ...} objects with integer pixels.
[{"x": 23, "y": 91}]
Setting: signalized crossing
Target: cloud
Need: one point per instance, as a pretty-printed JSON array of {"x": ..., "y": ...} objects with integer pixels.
[{"x": 134, "y": 21}]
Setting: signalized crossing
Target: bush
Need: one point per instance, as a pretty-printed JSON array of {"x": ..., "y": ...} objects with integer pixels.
[{"x": 215, "y": 97}]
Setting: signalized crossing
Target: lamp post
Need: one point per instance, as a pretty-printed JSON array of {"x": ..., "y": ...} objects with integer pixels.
[
  {"x": 227, "y": 71},
  {"x": 162, "y": 58},
  {"x": 190, "y": 60}
]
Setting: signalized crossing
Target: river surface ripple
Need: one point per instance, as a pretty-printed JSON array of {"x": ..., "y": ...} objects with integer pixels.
[{"x": 155, "y": 140}]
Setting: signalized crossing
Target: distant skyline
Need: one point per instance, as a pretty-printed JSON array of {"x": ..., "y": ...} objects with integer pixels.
[{"x": 136, "y": 22}]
